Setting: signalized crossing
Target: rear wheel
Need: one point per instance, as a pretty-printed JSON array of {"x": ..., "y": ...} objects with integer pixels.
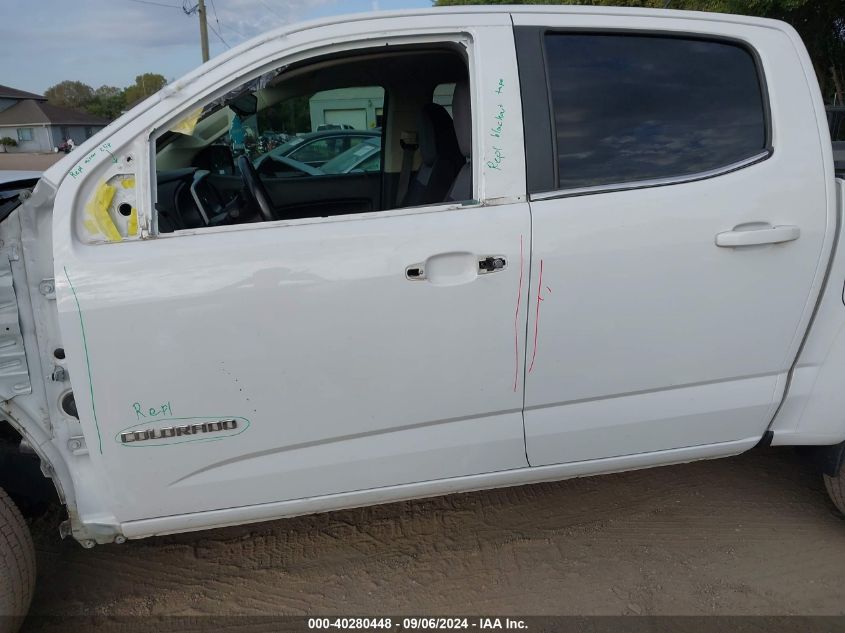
[
  {"x": 17, "y": 558},
  {"x": 836, "y": 488}
]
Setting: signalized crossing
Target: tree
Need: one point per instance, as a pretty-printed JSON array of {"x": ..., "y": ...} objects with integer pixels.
[
  {"x": 107, "y": 102},
  {"x": 70, "y": 94},
  {"x": 821, "y": 24},
  {"x": 145, "y": 85}
]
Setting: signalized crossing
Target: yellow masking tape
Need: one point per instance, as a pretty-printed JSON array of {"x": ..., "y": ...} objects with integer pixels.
[
  {"x": 91, "y": 226},
  {"x": 132, "y": 227},
  {"x": 187, "y": 125},
  {"x": 128, "y": 183},
  {"x": 98, "y": 208}
]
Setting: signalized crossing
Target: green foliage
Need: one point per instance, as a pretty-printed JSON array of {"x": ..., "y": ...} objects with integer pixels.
[
  {"x": 291, "y": 116},
  {"x": 8, "y": 141},
  {"x": 106, "y": 101},
  {"x": 70, "y": 94},
  {"x": 821, "y": 24},
  {"x": 144, "y": 86}
]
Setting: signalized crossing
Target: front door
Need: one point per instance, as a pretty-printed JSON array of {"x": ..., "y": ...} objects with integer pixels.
[{"x": 236, "y": 365}]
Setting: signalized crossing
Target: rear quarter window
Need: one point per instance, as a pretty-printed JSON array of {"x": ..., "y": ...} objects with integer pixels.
[{"x": 630, "y": 108}]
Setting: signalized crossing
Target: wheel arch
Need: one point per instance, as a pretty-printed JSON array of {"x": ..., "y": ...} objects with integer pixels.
[{"x": 830, "y": 458}]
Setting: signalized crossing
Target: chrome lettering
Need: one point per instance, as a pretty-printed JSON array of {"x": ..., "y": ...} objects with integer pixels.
[{"x": 168, "y": 432}]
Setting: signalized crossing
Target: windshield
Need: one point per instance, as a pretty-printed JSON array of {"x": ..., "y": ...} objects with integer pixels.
[{"x": 358, "y": 158}]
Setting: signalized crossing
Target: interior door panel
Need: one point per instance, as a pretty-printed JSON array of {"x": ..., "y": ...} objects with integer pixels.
[{"x": 322, "y": 196}]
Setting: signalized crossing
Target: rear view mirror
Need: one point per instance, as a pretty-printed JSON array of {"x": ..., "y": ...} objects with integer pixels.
[{"x": 244, "y": 105}]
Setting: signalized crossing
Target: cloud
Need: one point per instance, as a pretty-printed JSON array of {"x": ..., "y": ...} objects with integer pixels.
[
  {"x": 111, "y": 41},
  {"x": 243, "y": 19},
  {"x": 94, "y": 24}
]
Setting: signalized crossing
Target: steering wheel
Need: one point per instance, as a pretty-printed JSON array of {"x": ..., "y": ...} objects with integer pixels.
[{"x": 256, "y": 189}]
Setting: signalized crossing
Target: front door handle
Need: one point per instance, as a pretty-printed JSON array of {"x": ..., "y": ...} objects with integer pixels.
[
  {"x": 455, "y": 268},
  {"x": 756, "y": 236}
]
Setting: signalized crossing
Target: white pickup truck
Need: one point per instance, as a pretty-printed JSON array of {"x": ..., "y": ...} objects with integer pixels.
[{"x": 572, "y": 241}]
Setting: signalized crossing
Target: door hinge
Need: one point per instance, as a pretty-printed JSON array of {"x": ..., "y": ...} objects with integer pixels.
[{"x": 76, "y": 445}]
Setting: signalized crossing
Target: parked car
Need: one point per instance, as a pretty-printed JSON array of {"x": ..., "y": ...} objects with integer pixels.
[
  {"x": 8, "y": 176},
  {"x": 334, "y": 126},
  {"x": 622, "y": 249},
  {"x": 317, "y": 148},
  {"x": 361, "y": 158}
]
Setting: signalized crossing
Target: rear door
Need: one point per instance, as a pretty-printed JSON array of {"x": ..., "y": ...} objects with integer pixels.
[{"x": 681, "y": 225}]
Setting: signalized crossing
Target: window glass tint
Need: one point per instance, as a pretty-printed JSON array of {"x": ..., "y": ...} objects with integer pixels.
[{"x": 629, "y": 108}]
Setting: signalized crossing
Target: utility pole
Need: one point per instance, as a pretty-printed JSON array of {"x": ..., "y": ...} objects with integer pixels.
[{"x": 203, "y": 29}]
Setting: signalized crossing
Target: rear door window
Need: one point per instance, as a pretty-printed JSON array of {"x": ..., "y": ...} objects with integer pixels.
[{"x": 630, "y": 108}]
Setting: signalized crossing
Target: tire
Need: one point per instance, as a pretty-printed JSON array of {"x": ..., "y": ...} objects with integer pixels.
[
  {"x": 17, "y": 557},
  {"x": 836, "y": 488}
]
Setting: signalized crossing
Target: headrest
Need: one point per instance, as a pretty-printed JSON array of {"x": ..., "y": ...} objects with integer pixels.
[
  {"x": 462, "y": 116},
  {"x": 436, "y": 133}
]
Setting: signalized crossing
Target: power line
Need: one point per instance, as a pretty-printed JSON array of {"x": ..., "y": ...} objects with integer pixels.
[
  {"x": 213, "y": 30},
  {"x": 271, "y": 9},
  {"x": 216, "y": 19},
  {"x": 155, "y": 4},
  {"x": 199, "y": 9},
  {"x": 219, "y": 28}
]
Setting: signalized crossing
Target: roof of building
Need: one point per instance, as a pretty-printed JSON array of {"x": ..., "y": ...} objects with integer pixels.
[
  {"x": 7, "y": 92},
  {"x": 31, "y": 112}
]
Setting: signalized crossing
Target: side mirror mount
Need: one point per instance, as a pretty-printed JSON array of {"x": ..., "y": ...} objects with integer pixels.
[{"x": 244, "y": 105}]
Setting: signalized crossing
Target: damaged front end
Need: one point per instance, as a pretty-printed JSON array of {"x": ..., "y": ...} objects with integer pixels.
[{"x": 36, "y": 399}]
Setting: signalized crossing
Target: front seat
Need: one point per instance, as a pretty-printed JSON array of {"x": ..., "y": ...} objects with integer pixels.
[
  {"x": 461, "y": 188},
  {"x": 441, "y": 157}
]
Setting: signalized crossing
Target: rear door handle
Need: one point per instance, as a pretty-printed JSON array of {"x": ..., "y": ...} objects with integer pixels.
[{"x": 756, "y": 236}]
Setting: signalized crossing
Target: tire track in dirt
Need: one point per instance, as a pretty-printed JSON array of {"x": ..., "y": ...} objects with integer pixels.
[{"x": 752, "y": 534}]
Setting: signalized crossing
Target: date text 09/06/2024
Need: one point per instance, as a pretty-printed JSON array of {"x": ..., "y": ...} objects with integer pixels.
[{"x": 419, "y": 623}]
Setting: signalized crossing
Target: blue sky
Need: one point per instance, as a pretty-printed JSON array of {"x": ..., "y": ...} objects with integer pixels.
[{"x": 109, "y": 42}]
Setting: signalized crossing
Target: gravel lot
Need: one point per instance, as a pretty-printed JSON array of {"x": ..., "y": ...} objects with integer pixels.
[
  {"x": 27, "y": 162},
  {"x": 753, "y": 534}
]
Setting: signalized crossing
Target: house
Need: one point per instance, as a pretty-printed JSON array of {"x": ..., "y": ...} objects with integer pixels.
[{"x": 38, "y": 126}]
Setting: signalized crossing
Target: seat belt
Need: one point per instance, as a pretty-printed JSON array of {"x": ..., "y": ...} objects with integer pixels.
[{"x": 409, "y": 144}]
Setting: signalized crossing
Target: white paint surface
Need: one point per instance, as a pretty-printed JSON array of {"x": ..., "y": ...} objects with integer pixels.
[{"x": 361, "y": 386}]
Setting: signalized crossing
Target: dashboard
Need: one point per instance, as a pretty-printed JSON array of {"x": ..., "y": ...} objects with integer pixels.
[{"x": 191, "y": 198}]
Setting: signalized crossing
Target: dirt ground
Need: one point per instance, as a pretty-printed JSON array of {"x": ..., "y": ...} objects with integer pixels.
[
  {"x": 28, "y": 162},
  {"x": 754, "y": 534}
]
